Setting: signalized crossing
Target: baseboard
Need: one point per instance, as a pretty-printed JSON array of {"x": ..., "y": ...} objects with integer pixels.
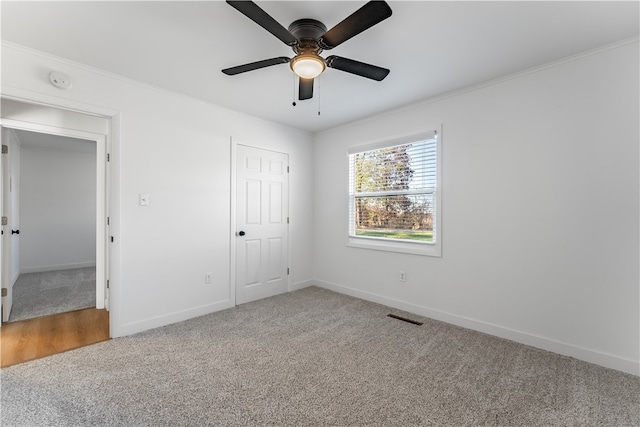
[
  {"x": 159, "y": 321},
  {"x": 301, "y": 285},
  {"x": 180, "y": 316},
  {"x": 591, "y": 356},
  {"x": 43, "y": 268}
]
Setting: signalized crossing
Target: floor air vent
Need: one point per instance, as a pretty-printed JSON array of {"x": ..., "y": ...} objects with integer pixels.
[{"x": 404, "y": 319}]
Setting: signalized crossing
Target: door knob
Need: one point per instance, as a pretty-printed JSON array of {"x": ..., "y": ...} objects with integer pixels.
[
  {"x": 15, "y": 232},
  {"x": 241, "y": 233}
]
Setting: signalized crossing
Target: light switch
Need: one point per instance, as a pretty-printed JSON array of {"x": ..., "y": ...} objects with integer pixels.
[{"x": 144, "y": 200}]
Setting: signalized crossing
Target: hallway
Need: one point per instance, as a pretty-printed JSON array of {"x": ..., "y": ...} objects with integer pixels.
[{"x": 51, "y": 292}]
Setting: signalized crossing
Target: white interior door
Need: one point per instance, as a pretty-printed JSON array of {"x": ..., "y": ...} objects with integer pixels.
[
  {"x": 262, "y": 195},
  {"x": 1, "y": 238},
  {"x": 7, "y": 234}
]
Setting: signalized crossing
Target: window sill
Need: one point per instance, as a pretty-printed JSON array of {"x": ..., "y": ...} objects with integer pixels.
[{"x": 407, "y": 247}]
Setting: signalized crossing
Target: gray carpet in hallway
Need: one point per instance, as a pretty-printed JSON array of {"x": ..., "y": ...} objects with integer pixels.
[
  {"x": 314, "y": 358},
  {"x": 51, "y": 292}
]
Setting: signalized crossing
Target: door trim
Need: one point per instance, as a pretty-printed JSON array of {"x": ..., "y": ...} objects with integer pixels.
[
  {"x": 232, "y": 223},
  {"x": 102, "y": 195}
]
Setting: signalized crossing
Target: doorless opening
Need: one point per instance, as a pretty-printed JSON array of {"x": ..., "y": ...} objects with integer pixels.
[
  {"x": 55, "y": 260},
  {"x": 53, "y": 142}
]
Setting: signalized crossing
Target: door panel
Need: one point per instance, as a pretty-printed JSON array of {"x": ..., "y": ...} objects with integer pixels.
[
  {"x": 253, "y": 202},
  {"x": 275, "y": 259},
  {"x": 253, "y": 257},
  {"x": 262, "y": 208},
  {"x": 275, "y": 202}
]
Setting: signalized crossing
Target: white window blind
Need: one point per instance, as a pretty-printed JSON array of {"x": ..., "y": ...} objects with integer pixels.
[{"x": 392, "y": 191}]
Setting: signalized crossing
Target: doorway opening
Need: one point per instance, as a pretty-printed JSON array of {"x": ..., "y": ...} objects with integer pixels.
[
  {"x": 55, "y": 223},
  {"x": 55, "y": 260}
]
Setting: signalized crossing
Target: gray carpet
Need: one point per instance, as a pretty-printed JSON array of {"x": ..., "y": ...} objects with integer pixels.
[
  {"x": 314, "y": 358},
  {"x": 50, "y": 292}
]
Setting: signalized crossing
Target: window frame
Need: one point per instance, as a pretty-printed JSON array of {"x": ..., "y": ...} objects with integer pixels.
[{"x": 433, "y": 249}]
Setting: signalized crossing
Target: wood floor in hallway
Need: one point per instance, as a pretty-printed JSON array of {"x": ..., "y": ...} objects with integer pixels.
[{"x": 43, "y": 336}]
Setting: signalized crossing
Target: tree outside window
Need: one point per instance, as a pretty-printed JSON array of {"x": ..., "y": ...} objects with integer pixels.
[{"x": 392, "y": 192}]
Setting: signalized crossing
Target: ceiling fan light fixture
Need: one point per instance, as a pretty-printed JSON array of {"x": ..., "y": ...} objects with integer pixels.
[{"x": 308, "y": 66}]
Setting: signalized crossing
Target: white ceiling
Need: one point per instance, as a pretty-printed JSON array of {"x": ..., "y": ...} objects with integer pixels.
[
  {"x": 431, "y": 47},
  {"x": 54, "y": 142}
]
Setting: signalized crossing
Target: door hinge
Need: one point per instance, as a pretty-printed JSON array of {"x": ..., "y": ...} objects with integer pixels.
[
  {"x": 107, "y": 283},
  {"x": 287, "y": 271},
  {"x": 111, "y": 239},
  {"x": 108, "y": 157},
  {"x": 5, "y": 149},
  {"x": 4, "y": 292},
  {"x": 287, "y": 220},
  {"x": 5, "y": 220},
  {"x": 108, "y": 221},
  {"x": 287, "y": 169}
]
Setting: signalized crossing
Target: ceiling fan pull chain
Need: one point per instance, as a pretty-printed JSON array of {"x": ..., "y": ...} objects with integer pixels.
[
  {"x": 295, "y": 80},
  {"x": 318, "y": 91}
]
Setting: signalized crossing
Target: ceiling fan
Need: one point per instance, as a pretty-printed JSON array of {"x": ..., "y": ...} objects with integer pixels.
[{"x": 309, "y": 37}]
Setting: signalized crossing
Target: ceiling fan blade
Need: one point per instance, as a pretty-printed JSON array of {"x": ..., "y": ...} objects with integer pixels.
[
  {"x": 362, "y": 19},
  {"x": 262, "y": 18},
  {"x": 255, "y": 65},
  {"x": 305, "y": 90},
  {"x": 356, "y": 67}
]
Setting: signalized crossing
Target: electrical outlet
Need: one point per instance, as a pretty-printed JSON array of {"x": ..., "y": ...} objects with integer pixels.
[
  {"x": 403, "y": 276},
  {"x": 208, "y": 277}
]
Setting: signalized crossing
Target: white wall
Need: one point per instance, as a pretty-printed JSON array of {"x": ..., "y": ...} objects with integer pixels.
[
  {"x": 58, "y": 209},
  {"x": 540, "y": 210},
  {"x": 540, "y": 203},
  {"x": 176, "y": 150}
]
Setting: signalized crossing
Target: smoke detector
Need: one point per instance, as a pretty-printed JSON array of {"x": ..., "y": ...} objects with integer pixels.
[{"x": 60, "y": 80}]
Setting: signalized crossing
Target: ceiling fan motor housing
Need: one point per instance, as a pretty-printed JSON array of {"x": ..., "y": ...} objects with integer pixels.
[{"x": 308, "y": 33}]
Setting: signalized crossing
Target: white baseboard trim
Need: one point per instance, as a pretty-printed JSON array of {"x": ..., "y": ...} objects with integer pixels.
[
  {"x": 43, "y": 268},
  {"x": 179, "y": 316},
  {"x": 301, "y": 285},
  {"x": 584, "y": 354}
]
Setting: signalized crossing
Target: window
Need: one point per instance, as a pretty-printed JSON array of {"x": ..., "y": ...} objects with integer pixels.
[{"x": 394, "y": 195}]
